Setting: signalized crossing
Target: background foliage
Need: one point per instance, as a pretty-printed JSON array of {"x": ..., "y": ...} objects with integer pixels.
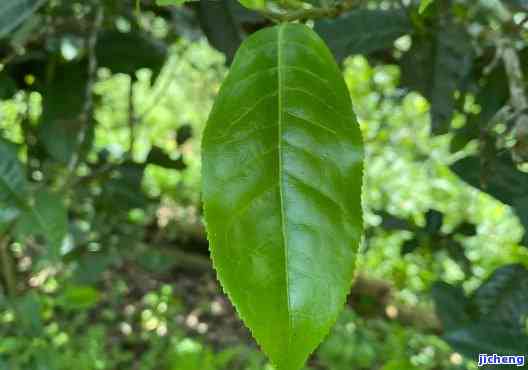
[{"x": 103, "y": 256}]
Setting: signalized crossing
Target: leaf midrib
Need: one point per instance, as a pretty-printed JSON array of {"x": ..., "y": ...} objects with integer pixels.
[{"x": 282, "y": 205}]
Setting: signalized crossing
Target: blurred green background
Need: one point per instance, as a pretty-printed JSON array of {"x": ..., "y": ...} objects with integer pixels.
[{"x": 106, "y": 267}]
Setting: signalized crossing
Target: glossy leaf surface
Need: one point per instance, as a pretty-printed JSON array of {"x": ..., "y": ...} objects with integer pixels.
[{"x": 282, "y": 176}]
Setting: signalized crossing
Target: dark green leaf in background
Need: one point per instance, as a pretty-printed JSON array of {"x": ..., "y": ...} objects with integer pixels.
[
  {"x": 14, "y": 12},
  {"x": 158, "y": 157},
  {"x": 501, "y": 179},
  {"x": 28, "y": 311},
  {"x": 219, "y": 25},
  {"x": 13, "y": 184},
  {"x": 62, "y": 108},
  {"x": 126, "y": 52},
  {"x": 437, "y": 68},
  {"x": 433, "y": 221},
  {"x": 282, "y": 173},
  {"x": 47, "y": 218},
  {"x": 451, "y": 305},
  {"x": 484, "y": 337},
  {"x": 363, "y": 31},
  {"x": 503, "y": 298}
]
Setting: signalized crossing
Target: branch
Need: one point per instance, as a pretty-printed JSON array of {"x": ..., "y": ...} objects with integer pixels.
[
  {"x": 311, "y": 13},
  {"x": 86, "y": 115},
  {"x": 7, "y": 267}
]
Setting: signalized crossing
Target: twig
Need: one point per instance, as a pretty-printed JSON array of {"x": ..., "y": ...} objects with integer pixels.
[
  {"x": 311, "y": 13},
  {"x": 7, "y": 267},
  {"x": 86, "y": 115},
  {"x": 131, "y": 119}
]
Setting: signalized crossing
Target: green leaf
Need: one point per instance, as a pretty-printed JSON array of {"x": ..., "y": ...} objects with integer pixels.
[
  {"x": 48, "y": 218},
  {"x": 13, "y": 183},
  {"x": 64, "y": 96},
  {"x": 282, "y": 175},
  {"x": 253, "y": 4},
  {"x": 437, "y": 68},
  {"x": 433, "y": 221},
  {"x": 500, "y": 178},
  {"x": 492, "y": 95},
  {"x": 503, "y": 297},
  {"x": 363, "y": 31},
  {"x": 484, "y": 337},
  {"x": 123, "y": 191},
  {"x": 424, "y": 4},
  {"x": 158, "y": 157},
  {"x": 80, "y": 297},
  {"x": 126, "y": 52},
  {"x": 451, "y": 305},
  {"x": 14, "y": 12},
  {"x": 170, "y": 2},
  {"x": 8, "y": 86},
  {"x": 220, "y": 26},
  {"x": 29, "y": 313}
]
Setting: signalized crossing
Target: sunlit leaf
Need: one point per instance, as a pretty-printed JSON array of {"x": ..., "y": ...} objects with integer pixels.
[
  {"x": 78, "y": 297},
  {"x": 170, "y": 2},
  {"x": 253, "y": 4},
  {"x": 282, "y": 174},
  {"x": 424, "y": 4}
]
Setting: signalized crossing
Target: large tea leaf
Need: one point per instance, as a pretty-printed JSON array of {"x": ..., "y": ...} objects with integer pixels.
[{"x": 282, "y": 175}]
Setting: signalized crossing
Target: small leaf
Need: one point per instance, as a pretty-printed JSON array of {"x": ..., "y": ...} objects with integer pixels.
[
  {"x": 47, "y": 218},
  {"x": 253, "y": 4},
  {"x": 158, "y": 157},
  {"x": 282, "y": 175},
  {"x": 363, "y": 31},
  {"x": 424, "y": 4},
  {"x": 170, "y": 2},
  {"x": 14, "y": 12},
  {"x": 433, "y": 221},
  {"x": 13, "y": 182},
  {"x": 409, "y": 246},
  {"x": 466, "y": 228},
  {"x": 184, "y": 133},
  {"x": 79, "y": 297}
]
